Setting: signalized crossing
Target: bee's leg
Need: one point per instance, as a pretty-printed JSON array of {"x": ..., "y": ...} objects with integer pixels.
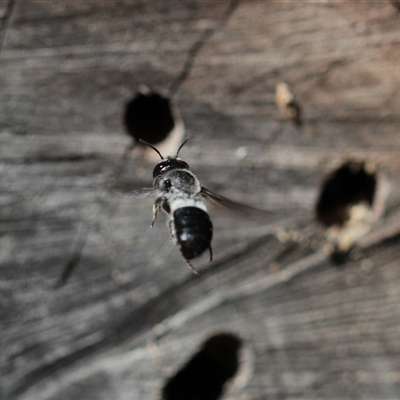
[
  {"x": 161, "y": 203},
  {"x": 156, "y": 209},
  {"x": 211, "y": 253},
  {"x": 190, "y": 266}
]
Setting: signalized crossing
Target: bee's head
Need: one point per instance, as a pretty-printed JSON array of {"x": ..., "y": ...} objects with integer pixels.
[{"x": 167, "y": 163}]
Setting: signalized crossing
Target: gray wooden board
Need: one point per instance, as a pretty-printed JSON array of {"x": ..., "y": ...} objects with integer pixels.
[{"x": 132, "y": 313}]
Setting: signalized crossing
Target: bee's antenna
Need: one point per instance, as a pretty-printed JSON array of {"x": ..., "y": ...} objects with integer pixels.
[
  {"x": 148, "y": 144},
  {"x": 177, "y": 153}
]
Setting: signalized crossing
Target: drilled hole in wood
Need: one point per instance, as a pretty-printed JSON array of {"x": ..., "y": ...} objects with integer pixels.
[
  {"x": 149, "y": 116},
  {"x": 353, "y": 183},
  {"x": 205, "y": 374},
  {"x": 346, "y": 206}
]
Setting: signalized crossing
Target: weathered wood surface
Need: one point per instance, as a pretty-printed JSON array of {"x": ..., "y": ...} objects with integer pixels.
[{"x": 132, "y": 314}]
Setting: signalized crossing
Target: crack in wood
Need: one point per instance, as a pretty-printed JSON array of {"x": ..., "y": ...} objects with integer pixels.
[
  {"x": 4, "y": 22},
  {"x": 74, "y": 258},
  {"x": 59, "y": 158},
  {"x": 194, "y": 50}
]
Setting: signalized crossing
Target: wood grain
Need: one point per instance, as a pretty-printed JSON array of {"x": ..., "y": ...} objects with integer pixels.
[{"x": 132, "y": 314}]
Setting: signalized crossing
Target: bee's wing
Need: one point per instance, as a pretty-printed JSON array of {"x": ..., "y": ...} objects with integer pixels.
[
  {"x": 233, "y": 205},
  {"x": 138, "y": 193},
  {"x": 141, "y": 193}
]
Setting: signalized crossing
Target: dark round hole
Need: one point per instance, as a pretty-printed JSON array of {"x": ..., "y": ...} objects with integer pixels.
[
  {"x": 204, "y": 375},
  {"x": 148, "y": 116},
  {"x": 350, "y": 184}
]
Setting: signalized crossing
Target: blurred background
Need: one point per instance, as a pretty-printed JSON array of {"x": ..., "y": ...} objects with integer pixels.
[{"x": 291, "y": 107}]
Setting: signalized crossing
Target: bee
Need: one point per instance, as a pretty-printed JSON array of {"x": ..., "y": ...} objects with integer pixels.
[{"x": 180, "y": 195}]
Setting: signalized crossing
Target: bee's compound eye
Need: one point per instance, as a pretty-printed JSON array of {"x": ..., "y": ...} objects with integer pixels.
[
  {"x": 167, "y": 183},
  {"x": 159, "y": 168},
  {"x": 181, "y": 164}
]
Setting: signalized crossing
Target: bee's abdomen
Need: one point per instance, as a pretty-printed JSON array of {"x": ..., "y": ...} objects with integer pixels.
[{"x": 193, "y": 229}]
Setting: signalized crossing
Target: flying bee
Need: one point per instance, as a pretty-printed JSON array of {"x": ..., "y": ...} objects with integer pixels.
[{"x": 180, "y": 195}]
